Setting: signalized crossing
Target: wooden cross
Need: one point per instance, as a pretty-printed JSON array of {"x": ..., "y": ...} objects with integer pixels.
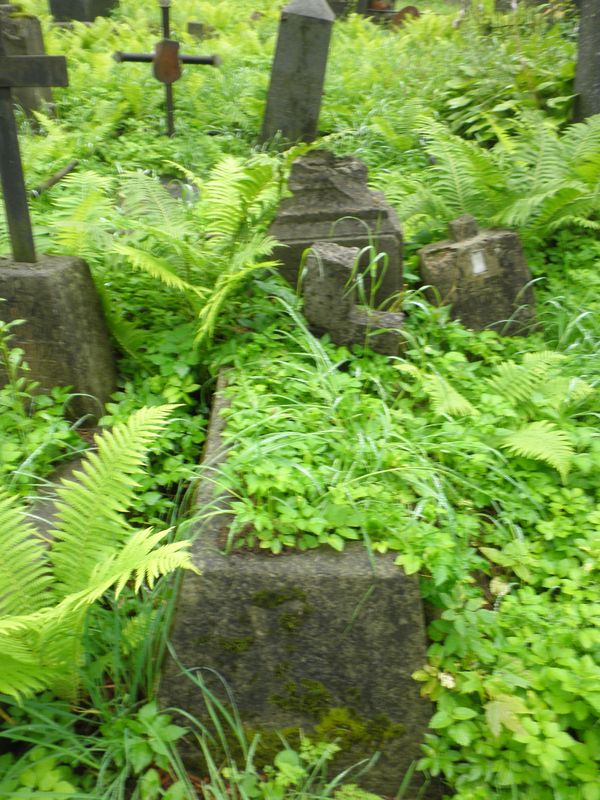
[
  {"x": 167, "y": 61},
  {"x": 18, "y": 72}
]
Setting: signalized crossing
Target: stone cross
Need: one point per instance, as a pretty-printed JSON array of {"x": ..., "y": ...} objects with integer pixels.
[
  {"x": 17, "y": 72},
  {"x": 167, "y": 61},
  {"x": 298, "y": 72}
]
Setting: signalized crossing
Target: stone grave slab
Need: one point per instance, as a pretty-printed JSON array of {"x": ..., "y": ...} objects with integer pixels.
[
  {"x": 320, "y": 640},
  {"x": 331, "y": 202},
  {"x": 483, "y": 275},
  {"x": 331, "y": 302}
]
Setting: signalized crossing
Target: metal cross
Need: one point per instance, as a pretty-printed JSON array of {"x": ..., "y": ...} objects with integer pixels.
[
  {"x": 18, "y": 72},
  {"x": 167, "y": 61}
]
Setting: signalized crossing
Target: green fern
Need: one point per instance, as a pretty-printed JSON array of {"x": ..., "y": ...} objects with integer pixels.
[
  {"x": 534, "y": 178},
  {"x": 543, "y": 441},
  {"x": 207, "y": 249},
  {"x": 445, "y": 399},
  {"x": 47, "y": 592}
]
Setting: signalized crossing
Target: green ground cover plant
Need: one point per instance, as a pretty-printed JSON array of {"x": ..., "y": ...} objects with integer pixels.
[{"x": 472, "y": 457}]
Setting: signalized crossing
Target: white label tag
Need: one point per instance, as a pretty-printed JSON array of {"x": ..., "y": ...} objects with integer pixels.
[{"x": 478, "y": 262}]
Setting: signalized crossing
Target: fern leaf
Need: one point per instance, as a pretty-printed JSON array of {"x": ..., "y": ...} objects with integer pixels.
[
  {"x": 158, "y": 268},
  {"x": 90, "y": 522},
  {"x": 445, "y": 399},
  {"x": 24, "y": 576},
  {"x": 543, "y": 441}
]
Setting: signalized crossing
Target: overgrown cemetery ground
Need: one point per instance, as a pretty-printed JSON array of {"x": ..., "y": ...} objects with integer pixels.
[{"x": 335, "y": 535}]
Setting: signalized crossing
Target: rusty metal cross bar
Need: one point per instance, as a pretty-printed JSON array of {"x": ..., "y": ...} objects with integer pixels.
[
  {"x": 17, "y": 72},
  {"x": 167, "y": 61}
]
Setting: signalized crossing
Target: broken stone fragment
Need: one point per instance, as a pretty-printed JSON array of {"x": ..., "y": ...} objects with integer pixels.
[
  {"x": 330, "y": 283},
  {"x": 482, "y": 275}
]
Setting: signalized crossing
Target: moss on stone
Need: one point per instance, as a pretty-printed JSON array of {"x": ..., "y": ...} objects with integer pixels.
[
  {"x": 234, "y": 645},
  {"x": 273, "y": 599},
  {"x": 351, "y": 730},
  {"x": 307, "y": 696}
]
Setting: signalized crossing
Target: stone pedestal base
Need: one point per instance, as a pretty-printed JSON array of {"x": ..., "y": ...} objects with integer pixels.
[
  {"x": 64, "y": 336},
  {"x": 322, "y": 641}
]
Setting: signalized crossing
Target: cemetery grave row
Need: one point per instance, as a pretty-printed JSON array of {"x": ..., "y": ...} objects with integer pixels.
[{"x": 294, "y": 621}]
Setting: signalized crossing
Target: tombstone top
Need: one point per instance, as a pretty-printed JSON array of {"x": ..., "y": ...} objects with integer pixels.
[
  {"x": 318, "y": 9},
  {"x": 462, "y": 228},
  {"x": 328, "y": 187}
]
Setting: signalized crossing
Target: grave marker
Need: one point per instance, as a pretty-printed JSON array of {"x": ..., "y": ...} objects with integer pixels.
[
  {"x": 331, "y": 302},
  {"x": 483, "y": 275},
  {"x": 167, "y": 62},
  {"x": 331, "y": 202},
  {"x": 64, "y": 335},
  {"x": 298, "y": 71},
  {"x": 303, "y": 640},
  {"x": 19, "y": 72},
  {"x": 81, "y": 10},
  {"x": 21, "y": 36},
  {"x": 587, "y": 77}
]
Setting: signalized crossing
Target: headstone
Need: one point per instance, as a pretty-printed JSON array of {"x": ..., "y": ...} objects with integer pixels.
[
  {"x": 166, "y": 62},
  {"x": 587, "y": 76},
  {"x": 340, "y": 7},
  {"x": 22, "y": 36},
  {"x": 483, "y": 275},
  {"x": 64, "y": 338},
  {"x": 331, "y": 202},
  {"x": 320, "y": 641},
  {"x": 330, "y": 302},
  {"x": 298, "y": 71},
  {"x": 81, "y": 10}
]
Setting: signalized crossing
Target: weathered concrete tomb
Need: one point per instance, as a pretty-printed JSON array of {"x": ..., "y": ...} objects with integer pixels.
[
  {"x": 320, "y": 641},
  {"x": 331, "y": 202},
  {"x": 483, "y": 275}
]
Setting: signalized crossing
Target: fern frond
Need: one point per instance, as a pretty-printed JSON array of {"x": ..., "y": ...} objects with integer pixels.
[
  {"x": 158, "y": 268},
  {"x": 222, "y": 199},
  {"x": 517, "y": 382},
  {"x": 145, "y": 198},
  {"x": 543, "y": 441},
  {"x": 90, "y": 522},
  {"x": 445, "y": 399},
  {"x": 24, "y": 576}
]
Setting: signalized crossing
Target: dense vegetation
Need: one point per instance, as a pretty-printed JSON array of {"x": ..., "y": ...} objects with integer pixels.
[{"x": 473, "y": 457}]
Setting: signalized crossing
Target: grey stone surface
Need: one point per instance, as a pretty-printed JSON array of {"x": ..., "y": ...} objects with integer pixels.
[
  {"x": 332, "y": 202},
  {"x": 21, "y": 36},
  {"x": 587, "y": 77},
  {"x": 483, "y": 276},
  {"x": 320, "y": 640},
  {"x": 298, "y": 71},
  {"x": 65, "y": 338},
  {"x": 81, "y": 10},
  {"x": 331, "y": 301}
]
